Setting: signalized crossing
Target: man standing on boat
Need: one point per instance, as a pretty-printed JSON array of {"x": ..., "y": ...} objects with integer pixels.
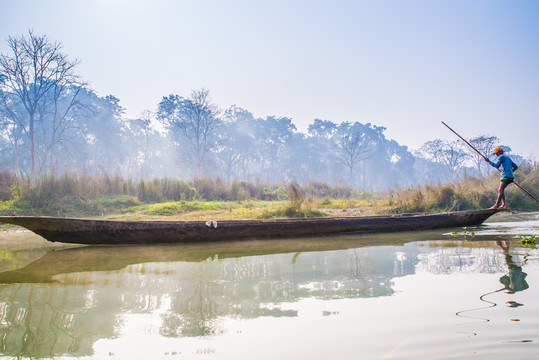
[{"x": 507, "y": 178}]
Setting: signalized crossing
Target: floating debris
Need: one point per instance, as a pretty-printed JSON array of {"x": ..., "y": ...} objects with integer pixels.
[{"x": 514, "y": 304}]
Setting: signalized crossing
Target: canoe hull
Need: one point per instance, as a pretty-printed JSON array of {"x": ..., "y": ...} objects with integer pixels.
[{"x": 89, "y": 231}]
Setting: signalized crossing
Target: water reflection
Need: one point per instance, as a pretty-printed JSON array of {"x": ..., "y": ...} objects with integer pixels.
[
  {"x": 512, "y": 282},
  {"x": 62, "y": 303},
  {"x": 66, "y": 300},
  {"x": 515, "y": 280}
]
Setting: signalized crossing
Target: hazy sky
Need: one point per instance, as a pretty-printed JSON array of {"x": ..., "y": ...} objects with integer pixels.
[{"x": 405, "y": 65}]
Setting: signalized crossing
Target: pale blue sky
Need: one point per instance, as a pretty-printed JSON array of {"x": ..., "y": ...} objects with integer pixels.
[{"x": 406, "y": 65}]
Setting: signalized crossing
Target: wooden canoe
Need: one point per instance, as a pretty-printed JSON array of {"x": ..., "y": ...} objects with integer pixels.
[{"x": 112, "y": 232}]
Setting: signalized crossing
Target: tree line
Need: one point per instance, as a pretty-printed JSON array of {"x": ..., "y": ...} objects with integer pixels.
[{"x": 51, "y": 121}]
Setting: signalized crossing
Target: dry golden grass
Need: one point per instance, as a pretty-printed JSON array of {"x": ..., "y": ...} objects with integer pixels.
[{"x": 115, "y": 198}]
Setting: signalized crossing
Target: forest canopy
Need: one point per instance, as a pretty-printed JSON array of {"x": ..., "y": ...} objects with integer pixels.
[{"x": 52, "y": 121}]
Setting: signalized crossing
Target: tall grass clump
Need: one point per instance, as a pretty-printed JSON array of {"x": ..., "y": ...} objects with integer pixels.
[
  {"x": 9, "y": 187},
  {"x": 468, "y": 194},
  {"x": 297, "y": 206},
  {"x": 318, "y": 189},
  {"x": 528, "y": 178},
  {"x": 71, "y": 194},
  {"x": 177, "y": 190},
  {"x": 149, "y": 192},
  {"x": 465, "y": 195}
]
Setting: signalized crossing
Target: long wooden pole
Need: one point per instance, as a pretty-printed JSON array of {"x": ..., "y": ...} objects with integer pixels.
[{"x": 484, "y": 157}]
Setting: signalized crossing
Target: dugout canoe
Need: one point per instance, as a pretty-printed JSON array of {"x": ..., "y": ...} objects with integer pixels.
[{"x": 113, "y": 232}]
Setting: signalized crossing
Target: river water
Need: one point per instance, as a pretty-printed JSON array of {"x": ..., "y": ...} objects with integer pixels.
[{"x": 422, "y": 295}]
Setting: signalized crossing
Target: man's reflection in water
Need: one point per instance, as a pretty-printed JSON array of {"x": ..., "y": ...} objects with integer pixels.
[{"x": 515, "y": 280}]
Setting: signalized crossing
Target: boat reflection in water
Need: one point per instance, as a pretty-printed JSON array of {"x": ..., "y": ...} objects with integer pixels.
[{"x": 67, "y": 300}]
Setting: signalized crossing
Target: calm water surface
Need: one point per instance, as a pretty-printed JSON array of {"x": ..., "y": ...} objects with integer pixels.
[{"x": 428, "y": 295}]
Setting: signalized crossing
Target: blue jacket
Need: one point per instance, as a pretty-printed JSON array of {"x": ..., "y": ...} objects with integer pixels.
[{"x": 507, "y": 165}]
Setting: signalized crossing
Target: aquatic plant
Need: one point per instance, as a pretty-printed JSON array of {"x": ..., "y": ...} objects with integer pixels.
[
  {"x": 464, "y": 233},
  {"x": 527, "y": 240}
]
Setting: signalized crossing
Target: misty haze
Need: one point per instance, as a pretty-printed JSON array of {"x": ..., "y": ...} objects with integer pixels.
[
  {"x": 269, "y": 179},
  {"x": 53, "y": 122}
]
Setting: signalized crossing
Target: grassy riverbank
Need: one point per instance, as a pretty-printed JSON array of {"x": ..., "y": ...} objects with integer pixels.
[
  {"x": 468, "y": 193},
  {"x": 115, "y": 197}
]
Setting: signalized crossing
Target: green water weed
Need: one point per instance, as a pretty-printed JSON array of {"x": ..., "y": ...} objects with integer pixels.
[
  {"x": 528, "y": 241},
  {"x": 465, "y": 232}
]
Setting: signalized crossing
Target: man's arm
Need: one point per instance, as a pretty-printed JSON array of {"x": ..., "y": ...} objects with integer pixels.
[{"x": 496, "y": 165}]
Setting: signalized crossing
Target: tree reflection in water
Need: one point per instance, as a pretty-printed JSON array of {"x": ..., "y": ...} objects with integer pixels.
[
  {"x": 46, "y": 321},
  {"x": 97, "y": 289},
  {"x": 195, "y": 308},
  {"x": 68, "y": 314}
]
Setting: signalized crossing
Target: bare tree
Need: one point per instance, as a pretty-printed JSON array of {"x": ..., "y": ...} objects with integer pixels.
[
  {"x": 485, "y": 144},
  {"x": 39, "y": 91},
  {"x": 353, "y": 146},
  {"x": 448, "y": 153},
  {"x": 195, "y": 119},
  {"x": 453, "y": 157}
]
